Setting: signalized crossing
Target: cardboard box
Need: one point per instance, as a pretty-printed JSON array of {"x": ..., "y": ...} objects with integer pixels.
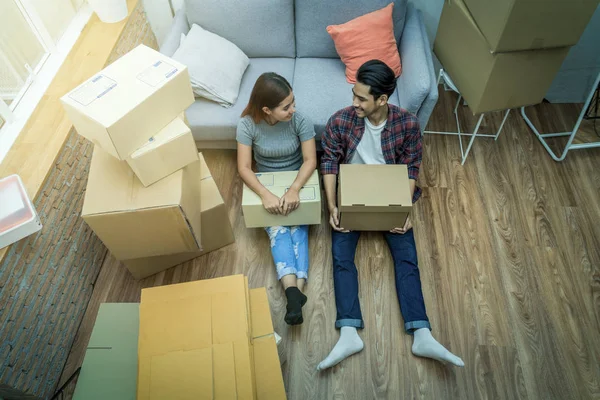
[
  {"x": 489, "y": 81},
  {"x": 206, "y": 339},
  {"x": 373, "y": 197},
  {"x": 308, "y": 213},
  {"x": 169, "y": 150},
  {"x": 18, "y": 218},
  {"x": 215, "y": 230},
  {"x": 135, "y": 221},
  {"x": 514, "y": 25},
  {"x": 125, "y": 104},
  {"x": 109, "y": 368}
]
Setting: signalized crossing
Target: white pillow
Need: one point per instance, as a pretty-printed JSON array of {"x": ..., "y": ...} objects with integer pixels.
[{"x": 215, "y": 65}]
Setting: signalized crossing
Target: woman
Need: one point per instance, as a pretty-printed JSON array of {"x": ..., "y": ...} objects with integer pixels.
[{"x": 281, "y": 140}]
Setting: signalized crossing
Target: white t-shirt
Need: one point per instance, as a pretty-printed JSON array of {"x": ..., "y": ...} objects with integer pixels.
[{"x": 369, "y": 149}]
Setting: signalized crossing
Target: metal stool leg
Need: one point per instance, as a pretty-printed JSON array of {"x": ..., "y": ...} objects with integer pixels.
[
  {"x": 472, "y": 139},
  {"x": 502, "y": 124}
]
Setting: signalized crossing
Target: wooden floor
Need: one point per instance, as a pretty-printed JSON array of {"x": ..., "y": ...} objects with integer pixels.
[{"x": 509, "y": 248}]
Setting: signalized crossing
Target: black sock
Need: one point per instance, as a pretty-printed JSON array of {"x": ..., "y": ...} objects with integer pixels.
[{"x": 295, "y": 300}]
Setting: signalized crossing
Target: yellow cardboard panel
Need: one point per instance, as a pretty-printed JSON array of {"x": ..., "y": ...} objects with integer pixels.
[
  {"x": 269, "y": 381},
  {"x": 244, "y": 370},
  {"x": 224, "y": 372},
  {"x": 260, "y": 313},
  {"x": 182, "y": 375}
]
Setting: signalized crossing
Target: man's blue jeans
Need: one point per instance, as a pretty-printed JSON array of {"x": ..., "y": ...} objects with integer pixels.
[{"x": 406, "y": 270}]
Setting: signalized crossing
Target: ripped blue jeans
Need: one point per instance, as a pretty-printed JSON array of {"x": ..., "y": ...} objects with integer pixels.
[{"x": 289, "y": 246}]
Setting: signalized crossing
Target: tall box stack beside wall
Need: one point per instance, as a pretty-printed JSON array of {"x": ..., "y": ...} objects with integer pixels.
[{"x": 505, "y": 54}]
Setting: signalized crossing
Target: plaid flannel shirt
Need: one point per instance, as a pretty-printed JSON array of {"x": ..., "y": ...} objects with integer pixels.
[{"x": 401, "y": 141}]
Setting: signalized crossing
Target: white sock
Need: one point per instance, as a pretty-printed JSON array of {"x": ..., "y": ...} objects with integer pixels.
[
  {"x": 424, "y": 345},
  {"x": 348, "y": 344}
]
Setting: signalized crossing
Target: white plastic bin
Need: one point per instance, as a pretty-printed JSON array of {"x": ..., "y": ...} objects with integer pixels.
[{"x": 18, "y": 218}]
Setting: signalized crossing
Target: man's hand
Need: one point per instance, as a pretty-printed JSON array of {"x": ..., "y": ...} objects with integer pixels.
[
  {"x": 334, "y": 220},
  {"x": 407, "y": 226},
  {"x": 289, "y": 201},
  {"x": 271, "y": 203}
]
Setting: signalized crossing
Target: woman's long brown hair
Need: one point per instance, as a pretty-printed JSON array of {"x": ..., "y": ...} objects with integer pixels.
[{"x": 269, "y": 90}]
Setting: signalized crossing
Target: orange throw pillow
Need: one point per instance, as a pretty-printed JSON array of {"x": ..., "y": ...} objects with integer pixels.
[{"x": 369, "y": 37}]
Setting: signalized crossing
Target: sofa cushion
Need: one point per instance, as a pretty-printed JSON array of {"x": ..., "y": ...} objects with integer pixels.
[
  {"x": 215, "y": 65},
  {"x": 321, "y": 89},
  {"x": 260, "y": 28},
  {"x": 209, "y": 121},
  {"x": 369, "y": 37},
  {"x": 313, "y": 17}
]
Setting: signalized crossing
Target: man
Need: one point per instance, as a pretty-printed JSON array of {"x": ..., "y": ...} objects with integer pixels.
[{"x": 375, "y": 132}]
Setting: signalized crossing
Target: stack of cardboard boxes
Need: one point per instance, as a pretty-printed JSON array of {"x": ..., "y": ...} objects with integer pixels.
[
  {"x": 148, "y": 189},
  {"x": 210, "y": 339},
  {"x": 504, "y": 54}
]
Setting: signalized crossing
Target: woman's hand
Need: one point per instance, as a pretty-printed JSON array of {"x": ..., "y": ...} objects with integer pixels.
[
  {"x": 271, "y": 203},
  {"x": 289, "y": 201}
]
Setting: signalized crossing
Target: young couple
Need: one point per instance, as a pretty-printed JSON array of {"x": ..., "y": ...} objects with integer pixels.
[{"x": 371, "y": 131}]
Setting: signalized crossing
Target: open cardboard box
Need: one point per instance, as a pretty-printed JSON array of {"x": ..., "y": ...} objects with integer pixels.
[
  {"x": 308, "y": 213},
  {"x": 128, "y": 102},
  {"x": 373, "y": 197}
]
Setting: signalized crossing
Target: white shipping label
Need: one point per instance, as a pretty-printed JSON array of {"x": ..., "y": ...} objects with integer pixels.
[
  {"x": 10, "y": 200},
  {"x": 93, "y": 89},
  {"x": 266, "y": 179},
  {"x": 157, "y": 73}
]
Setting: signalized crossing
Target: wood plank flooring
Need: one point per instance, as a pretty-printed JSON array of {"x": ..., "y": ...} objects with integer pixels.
[{"x": 509, "y": 250}]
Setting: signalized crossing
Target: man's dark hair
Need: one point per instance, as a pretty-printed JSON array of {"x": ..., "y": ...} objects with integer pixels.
[{"x": 378, "y": 76}]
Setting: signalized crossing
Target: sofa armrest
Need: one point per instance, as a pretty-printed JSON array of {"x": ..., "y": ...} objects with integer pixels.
[
  {"x": 415, "y": 83},
  {"x": 178, "y": 26}
]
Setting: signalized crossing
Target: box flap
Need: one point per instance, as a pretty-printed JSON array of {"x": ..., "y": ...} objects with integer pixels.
[
  {"x": 139, "y": 73},
  {"x": 225, "y": 386},
  {"x": 173, "y": 130},
  {"x": 269, "y": 380},
  {"x": 112, "y": 187},
  {"x": 182, "y": 375},
  {"x": 460, "y": 4},
  {"x": 377, "y": 186},
  {"x": 260, "y": 312}
]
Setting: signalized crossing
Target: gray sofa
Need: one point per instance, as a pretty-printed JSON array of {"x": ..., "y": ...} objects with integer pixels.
[{"x": 289, "y": 37}]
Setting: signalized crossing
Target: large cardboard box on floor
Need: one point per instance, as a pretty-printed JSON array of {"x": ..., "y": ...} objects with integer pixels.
[
  {"x": 109, "y": 368},
  {"x": 215, "y": 230},
  {"x": 491, "y": 81},
  {"x": 373, "y": 197},
  {"x": 134, "y": 221},
  {"x": 205, "y": 340},
  {"x": 128, "y": 102},
  {"x": 514, "y": 25},
  {"x": 308, "y": 213},
  {"x": 171, "y": 149}
]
